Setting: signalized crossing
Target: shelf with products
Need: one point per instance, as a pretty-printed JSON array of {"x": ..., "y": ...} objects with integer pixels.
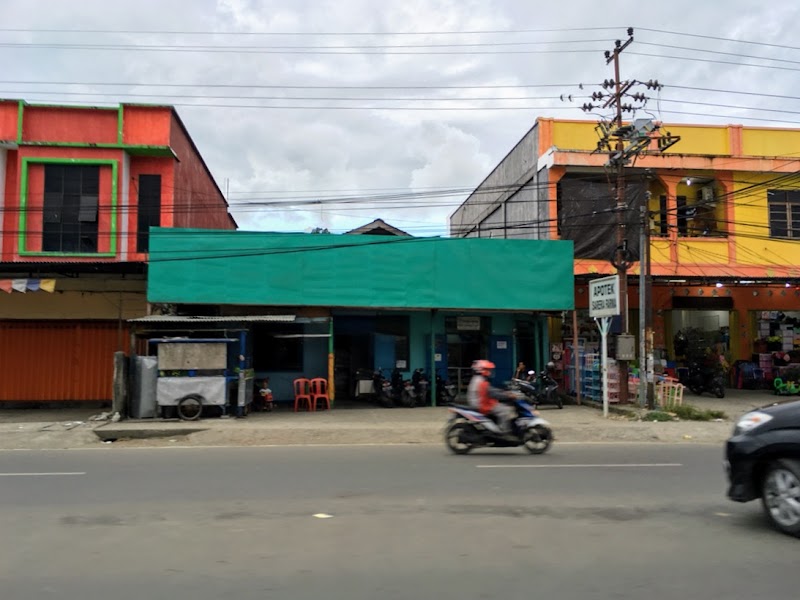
[{"x": 591, "y": 377}]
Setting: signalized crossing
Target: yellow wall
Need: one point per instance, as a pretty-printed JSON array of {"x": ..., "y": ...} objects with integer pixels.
[
  {"x": 697, "y": 139},
  {"x": 702, "y": 252},
  {"x": 72, "y": 305},
  {"x": 752, "y": 224},
  {"x": 750, "y": 215},
  {"x": 771, "y": 142},
  {"x": 659, "y": 250},
  {"x": 575, "y": 135}
]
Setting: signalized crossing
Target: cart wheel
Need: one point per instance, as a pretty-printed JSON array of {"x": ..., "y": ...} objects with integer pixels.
[{"x": 190, "y": 407}]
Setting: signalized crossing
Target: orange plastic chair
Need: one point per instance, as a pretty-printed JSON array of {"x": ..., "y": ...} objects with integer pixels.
[
  {"x": 302, "y": 393},
  {"x": 319, "y": 391}
]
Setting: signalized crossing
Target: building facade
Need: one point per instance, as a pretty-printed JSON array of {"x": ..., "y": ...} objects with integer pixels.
[
  {"x": 352, "y": 304},
  {"x": 80, "y": 188},
  {"x": 723, "y": 214}
]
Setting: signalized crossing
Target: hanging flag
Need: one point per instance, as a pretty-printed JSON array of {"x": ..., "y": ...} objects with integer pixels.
[
  {"x": 48, "y": 285},
  {"x": 5, "y": 285},
  {"x": 33, "y": 285},
  {"x": 19, "y": 285}
]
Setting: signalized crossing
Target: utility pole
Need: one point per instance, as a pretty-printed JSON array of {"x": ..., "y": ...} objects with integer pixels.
[
  {"x": 624, "y": 143},
  {"x": 621, "y": 261}
]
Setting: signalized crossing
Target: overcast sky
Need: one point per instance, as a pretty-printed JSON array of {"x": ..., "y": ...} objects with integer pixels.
[{"x": 365, "y": 122}]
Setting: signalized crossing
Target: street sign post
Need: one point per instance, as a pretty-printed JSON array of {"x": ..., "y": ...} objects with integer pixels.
[{"x": 604, "y": 303}]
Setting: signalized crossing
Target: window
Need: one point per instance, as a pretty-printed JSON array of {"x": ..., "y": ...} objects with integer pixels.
[
  {"x": 784, "y": 213},
  {"x": 149, "y": 209},
  {"x": 683, "y": 213},
  {"x": 661, "y": 224},
  {"x": 71, "y": 195}
]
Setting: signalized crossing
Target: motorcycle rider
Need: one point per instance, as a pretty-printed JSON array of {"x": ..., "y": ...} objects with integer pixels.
[{"x": 487, "y": 399}]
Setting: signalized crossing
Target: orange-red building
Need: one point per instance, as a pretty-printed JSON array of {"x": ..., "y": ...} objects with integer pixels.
[{"x": 79, "y": 189}]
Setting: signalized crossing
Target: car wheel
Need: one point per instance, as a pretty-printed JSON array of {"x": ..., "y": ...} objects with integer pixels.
[{"x": 780, "y": 495}]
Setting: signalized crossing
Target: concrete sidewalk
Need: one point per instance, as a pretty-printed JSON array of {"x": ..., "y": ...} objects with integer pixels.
[{"x": 72, "y": 428}]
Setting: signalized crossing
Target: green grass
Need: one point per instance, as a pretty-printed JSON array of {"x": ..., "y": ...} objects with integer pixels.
[
  {"x": 685, "y": 412},
  {"x": 658, "y": 415},
  {"x": 688, "y": 412}
]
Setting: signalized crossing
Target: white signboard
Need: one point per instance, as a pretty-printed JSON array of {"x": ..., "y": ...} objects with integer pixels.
[{"x": 604, "y": 297}]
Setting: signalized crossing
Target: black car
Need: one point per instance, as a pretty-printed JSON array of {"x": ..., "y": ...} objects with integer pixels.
[{"x": 763, "y": 461}]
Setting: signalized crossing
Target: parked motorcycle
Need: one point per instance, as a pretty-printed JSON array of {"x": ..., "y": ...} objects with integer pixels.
[
  {"x": 540, "y": 389},
  {"x": 415, "y": 390},
  {"x": 468, "y": 429},
  {"x": 445, "y": 392},
  {"x": 388, "y": 392},
  {"x": 703, "y": 378}
]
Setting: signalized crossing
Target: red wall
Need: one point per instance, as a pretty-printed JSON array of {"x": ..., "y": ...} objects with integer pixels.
[
  {"x": 63, "y": 124},
  {"x": 8, "y": 120},
  {"x": 198, "y": 201},
  {"x": 145, "y": 125},
  {"x": 149, "y": 166},
  {"x": 10, "y": 215}
]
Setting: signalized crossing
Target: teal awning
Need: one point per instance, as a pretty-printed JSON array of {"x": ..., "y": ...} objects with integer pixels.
[{"x": 198, "y": 266}]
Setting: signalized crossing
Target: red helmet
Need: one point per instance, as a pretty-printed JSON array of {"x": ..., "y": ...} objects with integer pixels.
[{"x": 483, "y": 367}]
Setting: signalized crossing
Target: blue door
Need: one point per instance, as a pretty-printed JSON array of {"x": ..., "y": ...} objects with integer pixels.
[
  {"x": 384, "y": 353},
  {"x": 500, "y": 354}
]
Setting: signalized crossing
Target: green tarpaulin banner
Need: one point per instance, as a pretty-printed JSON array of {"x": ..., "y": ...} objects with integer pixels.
[{"x": 196, "y": 266}]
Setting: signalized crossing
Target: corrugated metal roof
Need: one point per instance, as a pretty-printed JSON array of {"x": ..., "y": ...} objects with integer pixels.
[{"x": 201, "y": 319}]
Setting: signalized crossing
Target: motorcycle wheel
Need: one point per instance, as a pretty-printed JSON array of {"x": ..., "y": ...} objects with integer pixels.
[
  {"x": 407, "y": 400},
  {"x": 384, "y": 401},
  {"x": 696, "y": 389},
  {"x": 454, "y": 438},
  {"x": 719, "y": 391},
  {"x": 537, "y": 439}
]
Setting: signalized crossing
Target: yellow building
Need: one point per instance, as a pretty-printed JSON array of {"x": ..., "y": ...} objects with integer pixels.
[{"x": 723, "y": 214}]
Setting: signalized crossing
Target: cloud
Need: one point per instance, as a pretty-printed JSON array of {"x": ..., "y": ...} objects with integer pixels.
[{"x": 315, "y": 131}]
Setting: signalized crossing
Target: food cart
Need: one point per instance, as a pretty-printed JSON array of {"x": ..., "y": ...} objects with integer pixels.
[{"x": 194, "y": 373}]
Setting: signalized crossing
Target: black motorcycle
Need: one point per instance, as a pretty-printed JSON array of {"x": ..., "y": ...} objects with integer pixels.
[
  {"x": 445, "y": 391},
  {"x": 415, "y": 391},
  {"x": 703, "y": 379},
  {"x": 539, "y": 388},
  {"x": 389, "y": 392}
]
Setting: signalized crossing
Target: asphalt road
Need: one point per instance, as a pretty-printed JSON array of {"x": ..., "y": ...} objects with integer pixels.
[{"x": 374, "y": 522}]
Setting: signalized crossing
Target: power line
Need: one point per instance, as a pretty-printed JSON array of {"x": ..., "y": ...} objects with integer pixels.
[
  {"x": 244, "y": 50},
  {"x": 714, "y": 61},
  {"x": 293, "y": 87},
  {"x": 717, "y": 38},
  {"x": 720, "y": 52},
  {"x": 305, "y": 33}
]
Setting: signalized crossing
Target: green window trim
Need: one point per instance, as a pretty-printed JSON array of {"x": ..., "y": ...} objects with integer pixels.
[
  {"x": 23, "y": 213},
  {"x": 20, "y": 113}
]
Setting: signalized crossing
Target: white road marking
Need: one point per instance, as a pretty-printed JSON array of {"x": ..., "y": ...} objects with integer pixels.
[
  {"x": 322, "y": 516},
  {"x": 582, "y": 466},
  {"x": 40, "y": 474}
]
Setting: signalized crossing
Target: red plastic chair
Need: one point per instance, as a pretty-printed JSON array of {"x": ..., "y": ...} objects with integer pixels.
[
  {"x": 319, "y": 391},
  {"x": 302, "y": 393}
]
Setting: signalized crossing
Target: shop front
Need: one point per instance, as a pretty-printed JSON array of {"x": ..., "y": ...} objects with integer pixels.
[{"x": 351, "y": 320}]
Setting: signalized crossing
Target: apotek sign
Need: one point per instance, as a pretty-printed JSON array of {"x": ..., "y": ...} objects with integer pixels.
[{"x": 604, "y": 297}]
